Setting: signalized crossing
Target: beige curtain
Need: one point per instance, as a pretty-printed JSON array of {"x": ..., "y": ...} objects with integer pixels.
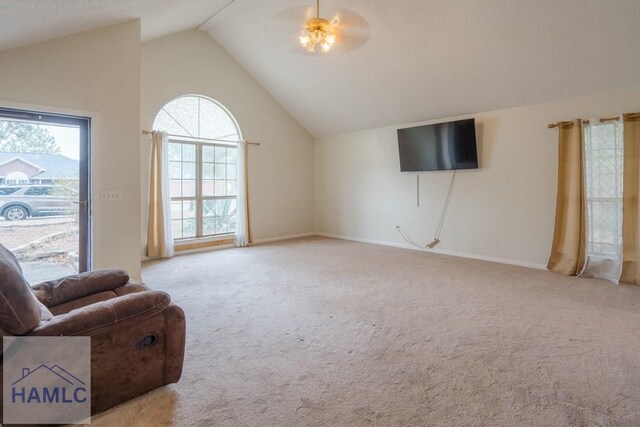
[
  {"x": 243, "y": 234},
  {"x": 246, "y": 192},
  {"x": 159, "y": 237},
  {"x": 630, "y": 211},
  {"x": 568, "y": 250}
]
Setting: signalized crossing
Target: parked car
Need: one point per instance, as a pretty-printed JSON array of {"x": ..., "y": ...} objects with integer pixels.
[{"x": 18, "y": 202}]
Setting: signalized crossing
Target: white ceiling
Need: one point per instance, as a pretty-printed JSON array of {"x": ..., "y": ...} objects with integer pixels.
[
  {"x": 23, "y": 22},
  {"x": 412, "y": 60},
  {"x": 428, "y": 59}
]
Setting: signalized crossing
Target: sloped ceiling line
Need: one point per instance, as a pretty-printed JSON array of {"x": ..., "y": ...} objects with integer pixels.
[{"x": 429, "y": 59}]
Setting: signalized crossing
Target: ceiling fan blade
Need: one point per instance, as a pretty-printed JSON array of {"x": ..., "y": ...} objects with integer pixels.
[
  {"x": 348, "y": 19},
  {"x": 342, "y": 18},
  {"x": 296, "y": 15},
  {"x": 352, "y": 30}
]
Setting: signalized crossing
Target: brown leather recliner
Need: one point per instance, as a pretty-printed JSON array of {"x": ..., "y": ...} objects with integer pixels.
[{"x": 137, "y": 334}]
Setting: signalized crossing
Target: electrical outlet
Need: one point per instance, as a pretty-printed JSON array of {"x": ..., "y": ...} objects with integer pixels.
[{"x": 111, "y": 195}]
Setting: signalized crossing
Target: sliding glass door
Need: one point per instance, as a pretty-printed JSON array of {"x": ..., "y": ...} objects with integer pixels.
[{"x": 45, "y": 203}]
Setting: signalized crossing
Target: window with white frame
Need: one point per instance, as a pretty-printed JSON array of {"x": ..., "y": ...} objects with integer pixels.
[
  {"x": 604, "y": 156},
  {"x": 203, "y": 172}
]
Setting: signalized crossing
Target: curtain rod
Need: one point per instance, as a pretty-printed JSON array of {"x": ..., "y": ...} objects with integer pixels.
[
  {"x": 148, "y": 132},
  {"x": 602, "y": 120}
]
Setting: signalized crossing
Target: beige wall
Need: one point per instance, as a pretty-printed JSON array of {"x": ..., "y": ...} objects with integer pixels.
[
  {"x": 280, "y": 171},
  {"x": 504, "y": 210},
  {"x": 95, "y": 72}
]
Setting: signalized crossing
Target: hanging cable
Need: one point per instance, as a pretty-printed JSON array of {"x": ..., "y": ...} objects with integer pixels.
[
  {"x": 407, "y": 238},
  {"x": 436, "y": 237}
]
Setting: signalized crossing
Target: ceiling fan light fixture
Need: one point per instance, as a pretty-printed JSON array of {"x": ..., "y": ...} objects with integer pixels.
[{"x": 318, "y": 32}]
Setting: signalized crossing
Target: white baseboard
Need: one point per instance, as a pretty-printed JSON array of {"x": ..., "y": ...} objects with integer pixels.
[
  {"x": 277, "y": 239},
  {"x": 437, "y": 251},
  {"x": 383, "y": 243}
]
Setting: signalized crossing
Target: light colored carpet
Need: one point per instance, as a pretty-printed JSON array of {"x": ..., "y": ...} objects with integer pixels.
[{"x": 323, "y": 332}]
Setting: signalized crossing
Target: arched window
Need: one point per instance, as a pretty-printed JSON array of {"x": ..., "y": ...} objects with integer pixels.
[
  {"x": 203, "y": 166},
  {"x": 16, "y": 178}
]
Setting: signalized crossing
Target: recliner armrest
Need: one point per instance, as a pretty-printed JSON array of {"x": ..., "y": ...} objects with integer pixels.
[
  {"x": 55, "y": 292},
  {"x": 100, "y": 317}
]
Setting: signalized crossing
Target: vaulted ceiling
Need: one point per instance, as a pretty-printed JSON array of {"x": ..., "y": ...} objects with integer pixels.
[
  {"x": 24, "y": 22},
  {"x": 428, "y": 59},
  {"x": 395, "y": 61}
]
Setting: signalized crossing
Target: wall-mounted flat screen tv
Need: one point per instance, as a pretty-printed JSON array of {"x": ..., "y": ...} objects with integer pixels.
[{"x": 443, "y": 146}]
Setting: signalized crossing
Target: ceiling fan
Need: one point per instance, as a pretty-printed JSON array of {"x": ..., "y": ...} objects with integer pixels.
[
  {"x": 342, "y": 31},
  {"x": 318, "y": 32}
]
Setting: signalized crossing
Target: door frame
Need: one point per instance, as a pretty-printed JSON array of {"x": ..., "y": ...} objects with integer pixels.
[{"x": 85, "y": 209}]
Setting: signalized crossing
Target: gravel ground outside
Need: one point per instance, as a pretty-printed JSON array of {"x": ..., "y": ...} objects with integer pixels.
[{"x": 19, "y": 233}]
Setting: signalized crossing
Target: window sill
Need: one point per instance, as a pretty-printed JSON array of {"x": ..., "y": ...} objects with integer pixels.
[{"x": 204, "y": 242}]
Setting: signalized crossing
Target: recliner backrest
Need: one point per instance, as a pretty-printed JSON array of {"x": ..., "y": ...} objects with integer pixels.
[{"x": 19, "y": 309}]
